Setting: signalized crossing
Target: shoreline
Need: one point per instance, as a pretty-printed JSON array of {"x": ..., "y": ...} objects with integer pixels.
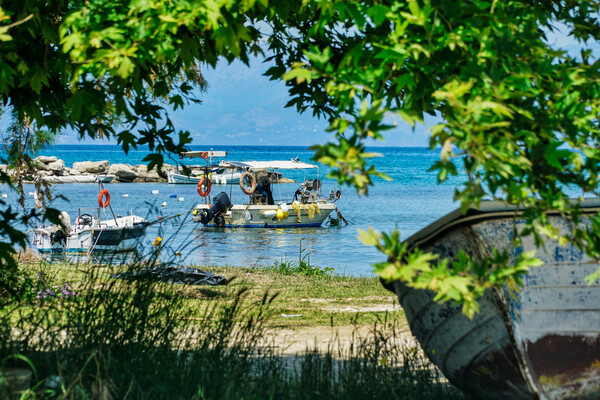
[{"x": 50, "y": 169}]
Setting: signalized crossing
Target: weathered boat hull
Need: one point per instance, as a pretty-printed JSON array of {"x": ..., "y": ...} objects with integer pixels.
[
  {"x": 540, "y": 342},
  {"x": 259, "y": 216}
]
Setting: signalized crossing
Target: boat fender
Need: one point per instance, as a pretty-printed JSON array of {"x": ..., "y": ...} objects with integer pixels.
[
  {"x": 157, "y": 241},
  {"x": 201, "y": 191},
  {"x": 269, "y": 213},
  {"x": 252, "y": 182},
  {"x": 101, "y": 202}
]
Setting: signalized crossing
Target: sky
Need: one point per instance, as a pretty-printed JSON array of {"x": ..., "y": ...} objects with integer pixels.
[{"x": 242, "y": 107}]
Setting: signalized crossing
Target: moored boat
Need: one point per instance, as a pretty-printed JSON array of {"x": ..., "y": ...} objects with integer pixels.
[
  {"x": 90, "y": 234},
  {"x": 215, "y": 172},
  {"x": 539, "y": 342},
  {"x": 308, "y": 208}
]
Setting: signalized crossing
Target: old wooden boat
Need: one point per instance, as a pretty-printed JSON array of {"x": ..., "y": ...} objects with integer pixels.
[{"x": 540, "y": 342}]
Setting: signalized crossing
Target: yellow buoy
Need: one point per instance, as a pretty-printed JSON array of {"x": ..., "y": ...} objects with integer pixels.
[
  {"x": 157, "y": 241},
  {"x": 279, "y": 214},
  {"x": 195, "y": 212}
]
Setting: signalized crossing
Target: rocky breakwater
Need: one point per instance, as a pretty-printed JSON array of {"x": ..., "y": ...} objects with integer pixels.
[{"x": 53, "y": 170}]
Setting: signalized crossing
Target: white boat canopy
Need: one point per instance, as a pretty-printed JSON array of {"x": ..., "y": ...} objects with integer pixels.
[{"x": 268, "y": 165}]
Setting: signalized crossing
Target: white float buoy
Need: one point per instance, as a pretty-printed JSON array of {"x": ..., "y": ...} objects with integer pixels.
[
  {"x": 31, "y": 193},
  {"x": 125, "y": 195},
  {"x": 164, "y": 204},
  {"x": 155, "y": 192},
  {"x": 180, "y": 199},
  {"x": 4, "y": 196}
]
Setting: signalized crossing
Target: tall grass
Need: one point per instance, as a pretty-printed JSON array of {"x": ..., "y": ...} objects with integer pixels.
[
  {"x": 137, "y": 339},
  {"x": 134, "y": 339}
]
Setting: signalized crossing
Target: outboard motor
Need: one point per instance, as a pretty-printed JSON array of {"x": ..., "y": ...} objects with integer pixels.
[{"x": 220, "y": 206}]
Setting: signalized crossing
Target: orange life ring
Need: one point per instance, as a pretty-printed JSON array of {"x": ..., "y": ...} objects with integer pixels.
[
  {"x": 103, "y": 193},
  {"x": 250, "y": 189},
  {"x": 201, "y": 192},
  {"x": 204, "y": 155}
]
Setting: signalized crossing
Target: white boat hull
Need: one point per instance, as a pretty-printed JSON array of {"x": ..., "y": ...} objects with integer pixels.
[
  {"x": 261, "y": 216},
  {"x": 216, "y": 179},
  {"x": 107, "y": 236}
]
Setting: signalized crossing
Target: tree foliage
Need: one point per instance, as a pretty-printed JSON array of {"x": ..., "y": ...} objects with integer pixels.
[{"x": 518, "y": 115}]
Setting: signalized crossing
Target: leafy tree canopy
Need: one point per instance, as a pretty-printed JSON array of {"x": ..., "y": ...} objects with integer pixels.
[{"x": 520, "y": 116}]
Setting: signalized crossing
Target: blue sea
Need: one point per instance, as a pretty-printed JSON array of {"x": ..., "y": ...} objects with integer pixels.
[{"x": 409, "y": 202}]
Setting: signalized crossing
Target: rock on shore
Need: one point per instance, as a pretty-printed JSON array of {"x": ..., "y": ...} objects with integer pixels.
[{"x": 48, "y": 168}]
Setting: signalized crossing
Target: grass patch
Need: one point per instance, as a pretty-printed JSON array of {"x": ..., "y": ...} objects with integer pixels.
[{"x": 114, "y": 339}]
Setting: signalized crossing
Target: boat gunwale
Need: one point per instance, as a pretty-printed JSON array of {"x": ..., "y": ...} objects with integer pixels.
[{"x": 490, "y": 210}]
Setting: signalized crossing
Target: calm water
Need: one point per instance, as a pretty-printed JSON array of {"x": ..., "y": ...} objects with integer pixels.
[{"x": 408, "y": 203}]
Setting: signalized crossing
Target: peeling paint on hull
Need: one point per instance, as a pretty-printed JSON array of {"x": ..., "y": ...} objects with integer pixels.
[{"x": 541, "y": 342}]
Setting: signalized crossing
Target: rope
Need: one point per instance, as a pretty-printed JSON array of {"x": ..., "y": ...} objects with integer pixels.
[
  {"x": 341, "y": 217},
  {"x": 91, "y": 248}
]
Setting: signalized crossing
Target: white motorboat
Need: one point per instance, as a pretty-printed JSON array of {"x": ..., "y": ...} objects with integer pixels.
[
  {"x": 217, "y": 175},
  {"x": 90, "y": 234},
  {"x": 103, "y": 178},
  {"x": 215, "y": 172},
  {"x": 308, "y": 208}
]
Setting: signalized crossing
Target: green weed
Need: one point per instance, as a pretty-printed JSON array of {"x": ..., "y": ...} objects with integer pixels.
[{"x": 286, "y": 267}]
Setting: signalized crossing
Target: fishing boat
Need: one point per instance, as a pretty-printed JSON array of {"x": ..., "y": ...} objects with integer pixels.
[
  {"x": 307, "y": 208},
  {"x": 216, "y": 172},
  {"x": 539, "y": 342},
  {"x": 90, "y": 234}
]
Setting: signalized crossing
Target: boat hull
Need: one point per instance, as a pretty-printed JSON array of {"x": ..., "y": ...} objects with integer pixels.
[
  {"x": 216, "y": 179},
  {"x": 124, "y": 236},
  {"x": 540, "y": 342},
  {"x": 261, "y": 216}
]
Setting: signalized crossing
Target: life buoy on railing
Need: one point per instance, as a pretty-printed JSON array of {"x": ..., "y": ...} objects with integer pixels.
[
  {"x": 202, "y": 192},
  {"x": 101, "y": 202},
  {"x": 204, "y": 155},
  {"x": 248, "y": 189},
  {"x": 180, "y": 156}
]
